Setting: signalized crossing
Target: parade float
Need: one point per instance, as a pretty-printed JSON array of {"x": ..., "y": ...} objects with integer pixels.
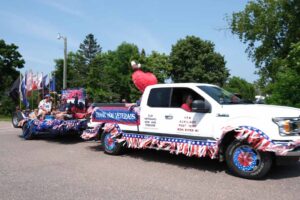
[{"x": 74, "y": 122}]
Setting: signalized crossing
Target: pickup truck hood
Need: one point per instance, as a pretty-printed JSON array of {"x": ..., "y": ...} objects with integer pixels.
[{"x": 260, "y": 110}]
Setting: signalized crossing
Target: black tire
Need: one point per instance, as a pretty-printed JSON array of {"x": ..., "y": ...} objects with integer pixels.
[
  {"x": 27, "y": 131},
  {"x": 15, "y": 120},
  {"x": 110, "y": 144},
  {"x": 244, "y": 161}
]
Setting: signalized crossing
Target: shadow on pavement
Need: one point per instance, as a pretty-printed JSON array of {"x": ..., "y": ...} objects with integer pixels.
[
  {"x": 203, "y": 164},
  {"x": 96, "y": 147},
  {"x": 149, "y": 155},
  {"x": 62, "y": 139},
  {"x": 281, "y": 172}
]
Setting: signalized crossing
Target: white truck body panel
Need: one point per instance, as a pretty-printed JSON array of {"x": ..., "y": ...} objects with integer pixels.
[{"x": 181, "y": 122}]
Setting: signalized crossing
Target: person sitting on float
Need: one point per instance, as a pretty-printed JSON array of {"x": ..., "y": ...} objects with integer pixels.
[
  {"x": 63, "y": 111},
  {"x": 33, "y": 114},
  {"x": 45, "y": 106}
]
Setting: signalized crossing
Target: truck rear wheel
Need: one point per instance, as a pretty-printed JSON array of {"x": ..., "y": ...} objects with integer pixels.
[
  {"x": 245, "y": 161},
  {"x": 110, "y": 145}
]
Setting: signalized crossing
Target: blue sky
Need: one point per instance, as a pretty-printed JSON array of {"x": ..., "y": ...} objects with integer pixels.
[{"x": 153, "y": 25}]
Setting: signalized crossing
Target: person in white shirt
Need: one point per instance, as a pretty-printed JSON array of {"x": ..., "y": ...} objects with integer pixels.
[{"x": 45, "y": 106}]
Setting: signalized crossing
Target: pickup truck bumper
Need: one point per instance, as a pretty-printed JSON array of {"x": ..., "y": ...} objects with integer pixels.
[
  {"x": 291, "y": 153},
  {"x": 291, "y": 158},
  {"x": 288, "y": 158}
]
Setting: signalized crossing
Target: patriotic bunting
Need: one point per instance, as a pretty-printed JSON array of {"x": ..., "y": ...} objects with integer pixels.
[{"x": 189, "y": 147}]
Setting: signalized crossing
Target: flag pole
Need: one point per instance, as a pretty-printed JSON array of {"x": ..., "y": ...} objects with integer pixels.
[
  {"x": 43, "y": 85},
  {"x": 31, "y": 99},
  {"x": 37, "y": 85},
  {"x": 20, "y": 90},
  {"x": 32, "y": 90},
  {"x": 49, "y": 82}
]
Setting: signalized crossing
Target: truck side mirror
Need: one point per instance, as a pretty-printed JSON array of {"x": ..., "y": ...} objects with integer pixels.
[{"x": 201, "y": 106}]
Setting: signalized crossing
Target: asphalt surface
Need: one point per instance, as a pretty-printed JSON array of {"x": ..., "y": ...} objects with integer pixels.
[{"x": 69, "y": 168}]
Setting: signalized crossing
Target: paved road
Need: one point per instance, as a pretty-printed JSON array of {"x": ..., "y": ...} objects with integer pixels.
[{"x": 68, "y": 168}]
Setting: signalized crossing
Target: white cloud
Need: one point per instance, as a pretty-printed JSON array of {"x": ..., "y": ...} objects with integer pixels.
[
  {"x": 36, "y": 60},
  {"x": 35, "y": 28},
  {"x": 145, "y": 39},
  {"x": 138, "y": 35},
  {"x": 65, "y": 7},
  {"x": 42, "y": 45}
]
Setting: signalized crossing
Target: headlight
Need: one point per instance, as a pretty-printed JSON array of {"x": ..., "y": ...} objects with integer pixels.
[{"x": 288, "y": 126}]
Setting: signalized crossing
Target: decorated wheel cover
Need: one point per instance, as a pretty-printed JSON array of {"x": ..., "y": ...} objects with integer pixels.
[
  {"x": 109, "y": 142},
  {"x": 246, "y": 158}
]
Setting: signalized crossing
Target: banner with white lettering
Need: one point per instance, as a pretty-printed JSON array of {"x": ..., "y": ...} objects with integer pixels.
[{"x": 115, "y": 115}]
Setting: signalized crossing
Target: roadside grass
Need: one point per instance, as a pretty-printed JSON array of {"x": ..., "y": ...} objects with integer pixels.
[{"x": 5, "y": 118}]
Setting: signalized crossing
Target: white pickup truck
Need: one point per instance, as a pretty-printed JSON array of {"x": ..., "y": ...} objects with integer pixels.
[{"x": 249, "y": 137}]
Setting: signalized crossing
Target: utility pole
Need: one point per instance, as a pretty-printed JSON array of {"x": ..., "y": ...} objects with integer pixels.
[{"x": 65, "y": 60}]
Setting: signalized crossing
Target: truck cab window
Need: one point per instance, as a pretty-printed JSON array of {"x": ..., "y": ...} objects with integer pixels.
[
  {"x": 159, "y": 97},
  {"x": 179, "y": 96}
]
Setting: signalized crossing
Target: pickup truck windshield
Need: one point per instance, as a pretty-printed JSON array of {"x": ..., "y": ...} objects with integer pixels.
[{"x": 220, "y": 95}]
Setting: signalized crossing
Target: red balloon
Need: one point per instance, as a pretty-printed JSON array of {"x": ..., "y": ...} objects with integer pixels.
[{"x": 141, "y": 79}]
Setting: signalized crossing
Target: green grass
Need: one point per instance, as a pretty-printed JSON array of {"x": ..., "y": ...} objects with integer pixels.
[{"x": 5, "y": 118}]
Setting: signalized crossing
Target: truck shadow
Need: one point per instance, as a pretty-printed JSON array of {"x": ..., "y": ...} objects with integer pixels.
[
  {"x": 150, "y": 155},
  {"x": 203, "y": 164},
  {"x": 281, "y": 172}
]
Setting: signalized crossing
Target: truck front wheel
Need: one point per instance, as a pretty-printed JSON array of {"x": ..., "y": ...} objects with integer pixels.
[
  {"x": 245, "y": 161},
  {"x": 110, "y": 145}
]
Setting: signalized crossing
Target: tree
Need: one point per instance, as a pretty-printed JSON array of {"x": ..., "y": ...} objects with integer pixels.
[
  {"x": 194, "y": 60},
  {"x": 286, "y": 90},
  {"x": 102, "y": 79},
  {"x": 120, "y": 63},
  {"x": 240, "y": 86},
  {"x": 10, "y": 61},
  {"x": 72, "y": 77},
  {"x": 159, "y": 65},
  {"x": 268, "y": 27},
  {"x": 107, "y": 76},
  {"x": 110, "y": 75},
  {"x": 89, "y": 48}
]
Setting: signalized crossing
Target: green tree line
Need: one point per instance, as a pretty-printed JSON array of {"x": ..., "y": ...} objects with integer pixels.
[{"x": 107, "y": 75}]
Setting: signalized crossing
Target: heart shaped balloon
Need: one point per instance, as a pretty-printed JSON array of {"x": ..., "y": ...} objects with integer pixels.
[{"x": 141, "y": 79}]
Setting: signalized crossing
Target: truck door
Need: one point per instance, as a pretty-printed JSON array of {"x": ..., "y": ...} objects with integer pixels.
[
  {"x": 188, "y": 122},
  {"x": 163, "y": 114},
  {"x": 154, "y": 117}
]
